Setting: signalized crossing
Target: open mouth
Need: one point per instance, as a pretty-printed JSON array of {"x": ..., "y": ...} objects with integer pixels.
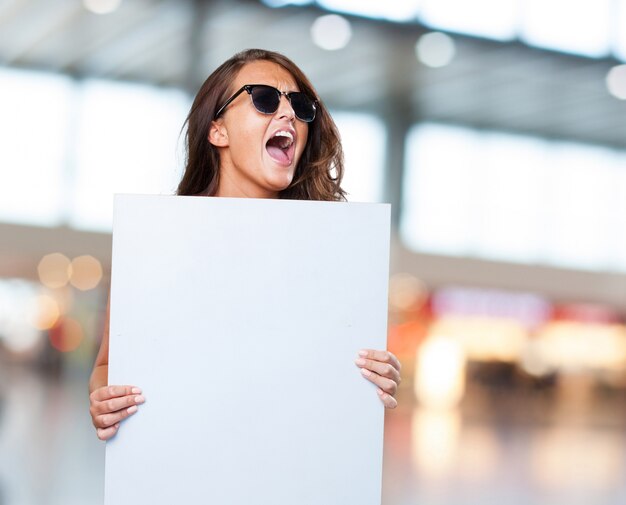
[{"x": 281, "y": 147}]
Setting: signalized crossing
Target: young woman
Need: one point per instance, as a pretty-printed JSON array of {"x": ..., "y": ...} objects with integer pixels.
[{"x": 256, "y": 129}]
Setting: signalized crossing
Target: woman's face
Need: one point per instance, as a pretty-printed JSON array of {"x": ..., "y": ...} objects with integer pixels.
[{"x": 249, "y": 166}]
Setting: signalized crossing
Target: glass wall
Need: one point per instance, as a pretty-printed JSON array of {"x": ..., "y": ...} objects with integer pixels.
[
  {"x": 76, "y": 143},
  {"x": 514, "y": 198}
]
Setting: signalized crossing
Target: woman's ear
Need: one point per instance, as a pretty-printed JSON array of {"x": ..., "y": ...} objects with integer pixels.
[{"x": 218, "y": 136}]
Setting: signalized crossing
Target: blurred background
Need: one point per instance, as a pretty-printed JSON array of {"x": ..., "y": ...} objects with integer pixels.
[{"x": 496, "y": 128}]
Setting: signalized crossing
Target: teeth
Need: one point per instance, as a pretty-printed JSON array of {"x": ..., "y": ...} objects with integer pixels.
[
  {"x": 288, "y": 138},
  {"x": 284, "y": 134}
]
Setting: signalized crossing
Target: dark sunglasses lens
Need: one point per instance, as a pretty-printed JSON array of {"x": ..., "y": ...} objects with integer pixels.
[
  {"x": 303, "y": 106},
  {"x": 265, "y": 99}
]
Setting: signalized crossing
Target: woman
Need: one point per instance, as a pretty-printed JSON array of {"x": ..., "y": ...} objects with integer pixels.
[{"x": 255, "y": 130}]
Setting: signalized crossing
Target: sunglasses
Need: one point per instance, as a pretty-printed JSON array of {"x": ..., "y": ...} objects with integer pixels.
[{"x": 267, "y": 98}]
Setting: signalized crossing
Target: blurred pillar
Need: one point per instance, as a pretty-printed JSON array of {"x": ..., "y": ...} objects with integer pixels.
[
  {"x": 398, "y": 115},
  {"x": 195, "y": 72}
]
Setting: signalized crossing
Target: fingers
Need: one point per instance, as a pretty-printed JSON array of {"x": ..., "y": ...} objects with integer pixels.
[
  {"x": 382, "y": 356},
  {"x": 111, "y": 404},
  {"x": 115, "y": 404},
  {"x": 388, "y": 401},
  {"x": 108, "y": 392},
  {"x": 110, "y": 419},
  {"x": 388, "y": 386},
  {"x": 383, "y": 364},
  {"x": 106, "y": 433},
  {"x": 381, "y": 368}
]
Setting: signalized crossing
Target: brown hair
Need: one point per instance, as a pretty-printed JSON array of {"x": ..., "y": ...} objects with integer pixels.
[{"x": 320, "y": 169}]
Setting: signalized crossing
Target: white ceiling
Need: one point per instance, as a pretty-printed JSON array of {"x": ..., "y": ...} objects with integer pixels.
[{"x": 178, "y": 42}]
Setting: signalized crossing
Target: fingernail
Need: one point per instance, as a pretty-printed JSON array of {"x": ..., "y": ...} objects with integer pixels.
[
  {"x": 362, "y": 352},
  {"x": 360, "y": 361},
  {"x": 366, "y": 372},
  {"x": 136, "y": 391},
  {"x": 380, "y": 392},
  {"x": 139, "y": 399},
  {"x": 132, "y": 410}
]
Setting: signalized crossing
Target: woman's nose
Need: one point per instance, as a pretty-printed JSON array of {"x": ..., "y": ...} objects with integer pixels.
[{"x": 285, "y": 109}]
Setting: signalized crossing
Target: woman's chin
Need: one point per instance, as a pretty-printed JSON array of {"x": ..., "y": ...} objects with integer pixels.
[
  {"x": 280, "y": 185},
  {"x": 279, "y": 178}
]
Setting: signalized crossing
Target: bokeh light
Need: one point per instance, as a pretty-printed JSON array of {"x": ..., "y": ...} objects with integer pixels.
[
  {"x": 435, "y": 437},
  {"x": 572, "y": 346},
  {"x": 440, "y": 373},
  {"x": 54, "y": 270},
  {"x": 67, "y": 335},
  {"x": 533, "y": 361},
  {"x": 616, "y": 81},
  {"x": 22, "y": 340},
  {"x": 18, "y": 311},
  {"x": 46, "y": 313},
  {"x": 484, "y": 338},
  {"x": 435, "y": 49},
  {"x": 406, "y": 292},
  {"x": 102, "y": 6},
  {"x": 331, "y": 32},
  {"x": 86, "y": 272}
]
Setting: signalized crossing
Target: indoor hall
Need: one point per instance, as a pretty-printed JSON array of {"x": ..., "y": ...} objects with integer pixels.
[{"x": 495, "y": 130}]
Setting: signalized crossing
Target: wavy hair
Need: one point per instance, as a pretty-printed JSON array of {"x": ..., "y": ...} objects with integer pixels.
[{"x": 320, "y": 169}]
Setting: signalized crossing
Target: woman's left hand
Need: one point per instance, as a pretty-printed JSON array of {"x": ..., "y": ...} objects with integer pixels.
[{"x": 383, "y": 369}]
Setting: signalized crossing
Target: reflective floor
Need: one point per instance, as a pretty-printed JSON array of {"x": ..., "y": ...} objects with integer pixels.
[
  {"x": 48, "y": 452},
  {"x": 508, "y": 448},
  {"x": 565, "y": 447}
]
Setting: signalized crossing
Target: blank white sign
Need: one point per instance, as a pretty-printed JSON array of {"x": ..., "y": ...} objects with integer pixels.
[{"x": 240, "y": 319}]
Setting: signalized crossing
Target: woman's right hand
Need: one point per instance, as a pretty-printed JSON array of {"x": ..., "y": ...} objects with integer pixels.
[{"x": 109, "y": 405}]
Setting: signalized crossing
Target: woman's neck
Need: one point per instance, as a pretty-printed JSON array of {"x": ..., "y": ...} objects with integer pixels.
[{"x": 227, "y": 187}]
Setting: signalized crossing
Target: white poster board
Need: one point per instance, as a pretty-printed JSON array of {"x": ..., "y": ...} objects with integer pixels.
[{"x": 240, "y": 319}]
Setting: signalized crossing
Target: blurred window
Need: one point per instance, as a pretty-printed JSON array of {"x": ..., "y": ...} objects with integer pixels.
[
  {"x": 34, "y": 125},
  {"x": 514, "y": 198},
  {"x": 438, "y": 202},
  {"x": 581, "y": 27},
  {"x": 619, "y": 21},
  {"x": 283, "y": 3},
  {"x": 127, "y": 142},
  {"x": 392, "y": 10},
  {"x": 587, "y": 27},
  {"x": 587, "y": 207},
  {"x": 68, "y": 147},
  {"x": 363, "y": 138},
  {"x": 497, "y": 19}
]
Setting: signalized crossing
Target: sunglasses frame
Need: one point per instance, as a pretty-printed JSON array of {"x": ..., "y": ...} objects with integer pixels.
[{"x": 249, "y": 87}]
